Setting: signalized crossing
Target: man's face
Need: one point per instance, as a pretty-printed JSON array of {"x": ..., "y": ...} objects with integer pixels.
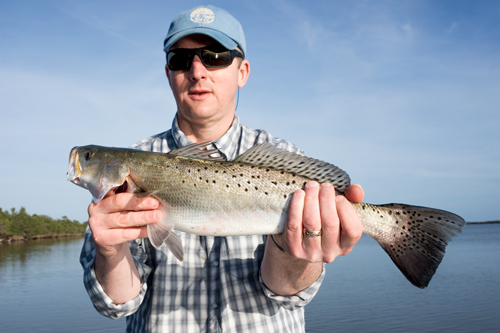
[{"x": 206, "y": 94}]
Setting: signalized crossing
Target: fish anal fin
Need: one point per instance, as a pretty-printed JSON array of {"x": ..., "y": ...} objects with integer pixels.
[{"x": 414, "y": 237}]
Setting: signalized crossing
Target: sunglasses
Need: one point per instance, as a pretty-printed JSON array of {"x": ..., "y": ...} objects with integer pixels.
[{"x": 210, "y": 56}]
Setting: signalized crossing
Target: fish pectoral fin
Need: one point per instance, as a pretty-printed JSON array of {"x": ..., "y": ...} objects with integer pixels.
[
  {"x": 162, "y": 233},
  {"x": 158, "y": 233},
  {"x": 174, "y": 244}
]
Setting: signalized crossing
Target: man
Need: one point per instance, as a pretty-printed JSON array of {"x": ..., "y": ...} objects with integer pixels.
[{"x": 230, "y": 284}]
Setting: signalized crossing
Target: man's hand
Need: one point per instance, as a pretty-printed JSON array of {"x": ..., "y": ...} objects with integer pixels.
[
  {"x": 317, "y": 209},
  {"x": 115, "y": 220},
  {"x": 119, "y": 218}
]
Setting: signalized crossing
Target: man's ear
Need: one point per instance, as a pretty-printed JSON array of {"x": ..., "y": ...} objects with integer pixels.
[{"x": 243, "y": 73}]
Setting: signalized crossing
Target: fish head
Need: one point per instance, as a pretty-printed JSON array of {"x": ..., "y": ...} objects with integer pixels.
[{"x": 97, "y": 169}]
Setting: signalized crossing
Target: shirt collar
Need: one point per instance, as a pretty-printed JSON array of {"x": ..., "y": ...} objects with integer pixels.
[{"x": 227, "y": 143}]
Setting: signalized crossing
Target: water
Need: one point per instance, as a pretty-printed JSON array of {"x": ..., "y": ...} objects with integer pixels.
[{"x": 41, "y": 290}]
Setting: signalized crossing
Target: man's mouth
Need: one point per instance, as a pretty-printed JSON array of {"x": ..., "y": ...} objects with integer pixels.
[{"x": 198, "y": 94}]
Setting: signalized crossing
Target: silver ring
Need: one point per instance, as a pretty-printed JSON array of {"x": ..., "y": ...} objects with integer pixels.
[{"x": 313, "y": 233}]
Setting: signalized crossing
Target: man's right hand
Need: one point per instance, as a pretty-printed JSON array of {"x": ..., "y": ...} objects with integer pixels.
[
  {"x": 119, "y": 218},
  {"x": 115, "y": 220}
]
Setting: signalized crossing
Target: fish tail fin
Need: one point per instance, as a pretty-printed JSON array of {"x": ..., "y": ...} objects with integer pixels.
[{"x": 415, "y": 238}]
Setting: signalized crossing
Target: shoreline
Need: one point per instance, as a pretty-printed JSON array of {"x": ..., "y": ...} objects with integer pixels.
[
  {"x": 13, "y": 239},
  {"x": 485, "y": 222}
]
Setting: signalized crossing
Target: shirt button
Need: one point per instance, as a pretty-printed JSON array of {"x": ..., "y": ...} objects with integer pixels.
[
  {"x": 214, "y": 306},
  {"x": 215, "y": 263}
]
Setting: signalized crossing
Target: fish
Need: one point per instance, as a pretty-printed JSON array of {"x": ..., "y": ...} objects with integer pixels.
[{"x": 202, "y": 193}]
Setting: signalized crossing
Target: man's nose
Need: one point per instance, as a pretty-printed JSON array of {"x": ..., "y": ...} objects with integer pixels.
[{"x": 198, "y": 71}]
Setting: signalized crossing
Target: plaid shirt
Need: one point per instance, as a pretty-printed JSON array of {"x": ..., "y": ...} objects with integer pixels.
[{"x": 218, "y": 287}]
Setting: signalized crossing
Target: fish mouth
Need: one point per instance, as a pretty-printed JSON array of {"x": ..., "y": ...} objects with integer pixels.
[{"x": 75, "y": 170}]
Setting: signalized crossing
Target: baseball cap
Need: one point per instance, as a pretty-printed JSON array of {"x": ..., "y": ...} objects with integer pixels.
[{"x": 207, "y": 20}]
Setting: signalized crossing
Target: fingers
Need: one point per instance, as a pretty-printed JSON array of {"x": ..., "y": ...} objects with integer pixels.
[
  {"x": 311, "y": 218},
  {"x": 355, "y": 193},
  {"x": 330, "y": 222},
  {"x": 120, "y": 218},
  {"x": 125, "y": 202},
  {"x": 316, "y": 208},
  {"x": 292, "y": 236},
  {"x": 351, "y": 228}
]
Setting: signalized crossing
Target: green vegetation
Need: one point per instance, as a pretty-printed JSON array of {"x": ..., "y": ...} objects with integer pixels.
[{"x": 19, "y": 224}]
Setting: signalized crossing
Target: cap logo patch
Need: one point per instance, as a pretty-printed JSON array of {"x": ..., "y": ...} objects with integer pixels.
[{"x": 202, "y": 15}]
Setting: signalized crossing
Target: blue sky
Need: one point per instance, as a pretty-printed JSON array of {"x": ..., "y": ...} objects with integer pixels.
[{"x": 403, "y": 95}]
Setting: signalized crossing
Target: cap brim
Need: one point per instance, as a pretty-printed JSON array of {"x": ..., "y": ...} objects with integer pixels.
[{"x": 227, "y": 42}]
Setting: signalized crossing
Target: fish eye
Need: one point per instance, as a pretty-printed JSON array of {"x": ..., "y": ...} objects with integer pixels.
[{"x": 87, "y": 155}]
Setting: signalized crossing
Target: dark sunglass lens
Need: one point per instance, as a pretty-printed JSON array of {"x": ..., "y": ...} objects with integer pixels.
[
  {"x": 216, "y": 59},
  {"x": 178, "y": 60}
]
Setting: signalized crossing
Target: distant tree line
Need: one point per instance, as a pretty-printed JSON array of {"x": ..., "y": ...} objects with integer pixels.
[{"x": 21, "y": 224}]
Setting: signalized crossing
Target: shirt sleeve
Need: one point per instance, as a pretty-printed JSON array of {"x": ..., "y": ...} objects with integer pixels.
[
  {"x": 300, "y": 299},
  {"x": 103, "y": 304}
]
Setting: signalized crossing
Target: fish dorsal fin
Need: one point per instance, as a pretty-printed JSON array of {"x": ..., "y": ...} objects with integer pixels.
[
  {"x": 197, "y": 150},
  {"x": 269, "y": 156}
]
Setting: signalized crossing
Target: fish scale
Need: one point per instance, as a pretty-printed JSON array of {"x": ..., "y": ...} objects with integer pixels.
[{"x": 200, "y": 193}]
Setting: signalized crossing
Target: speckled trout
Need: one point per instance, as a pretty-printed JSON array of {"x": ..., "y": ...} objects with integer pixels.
[{"x": 202, "y": 194}]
